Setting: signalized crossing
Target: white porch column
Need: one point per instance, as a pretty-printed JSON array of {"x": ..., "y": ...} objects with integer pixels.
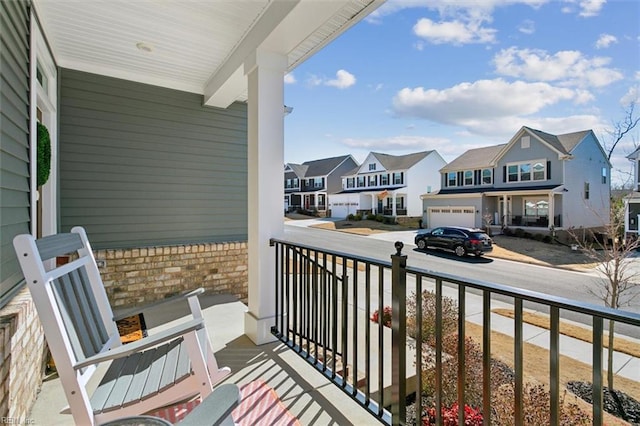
[
  {"x": 374, "y": 204},
  {"x": 265, "y": 72},
  {"x": 393, "y": 205},
  {"x": 505, "y": 209},
  {"x": 551, "y": 212}
]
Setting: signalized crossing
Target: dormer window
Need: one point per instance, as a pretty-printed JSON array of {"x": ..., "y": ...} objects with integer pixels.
[
  {"x": 372, "y": 167},
  {"x": 525, "y": 142}
]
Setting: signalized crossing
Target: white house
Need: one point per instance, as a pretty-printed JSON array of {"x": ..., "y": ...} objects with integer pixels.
[{"x": 388, "y": 184}]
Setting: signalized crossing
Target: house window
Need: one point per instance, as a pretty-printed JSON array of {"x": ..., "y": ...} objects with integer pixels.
[
  {"x": 384, "y": 180},
  {"x": 288, "y": 185},
  {"x": 351, "y": 182},
  {"x": 295, "y": 183},
  {"x": 586, "y": 190},
  {"x": 373, "y": 180},
  {"x": 487, "y": 176},
  {"x": 536, "y": 207},
  {"x": 468, "y": 177},
  {"x": 372, "y": 166},
  {"x": 361, "y": 182},
  {"x": 525, "y": 142},
  {"x": 604, "y": 175},
  {"x": 451, "y": 179},
  {"x": 526, "y": 172},
  {"x": 538, "y": 171},
  {"x": 317, "y": 183},
  {"x": 397, "y": 178}
]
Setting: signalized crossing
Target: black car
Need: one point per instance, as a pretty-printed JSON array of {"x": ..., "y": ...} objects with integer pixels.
[{"x": 458, "y": 239}]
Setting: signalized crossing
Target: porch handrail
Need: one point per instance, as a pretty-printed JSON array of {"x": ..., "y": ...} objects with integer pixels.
[{"x": 341, "y": 307}]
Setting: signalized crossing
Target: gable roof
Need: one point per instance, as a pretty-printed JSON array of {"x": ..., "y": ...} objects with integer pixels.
[
  {"x": 489, "y": 155},
  {"x": 634, "y": 155},
  {"x": 474, "y": 158},
  {"x": 400, "y": 162},
  {"x": 321, "y": 167},
  {"x": 298, "y": 169}
]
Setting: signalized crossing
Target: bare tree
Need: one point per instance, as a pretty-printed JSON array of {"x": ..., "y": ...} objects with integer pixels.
[
  {"x": 620, "y": 283},
  {"x": 622, "y": 128}
]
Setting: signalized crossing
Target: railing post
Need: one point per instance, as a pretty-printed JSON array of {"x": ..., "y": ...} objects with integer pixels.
[{"x": 398, "y": 336}]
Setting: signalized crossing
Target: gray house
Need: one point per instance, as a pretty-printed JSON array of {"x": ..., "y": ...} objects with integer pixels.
[
  {"x": 632, "y": 201},
  {"x": 535, "y": 180},
  {"x": 307, "y": 185},
  {"x": 166, "y": 128}
]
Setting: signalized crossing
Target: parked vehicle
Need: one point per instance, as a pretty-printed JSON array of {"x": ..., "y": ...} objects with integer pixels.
[{"x": 460, "y": 240}]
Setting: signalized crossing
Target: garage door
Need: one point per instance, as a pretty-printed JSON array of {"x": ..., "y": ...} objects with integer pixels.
[
  {"x": 344, "y": 204},
  {"x": 451, "y": 216}
]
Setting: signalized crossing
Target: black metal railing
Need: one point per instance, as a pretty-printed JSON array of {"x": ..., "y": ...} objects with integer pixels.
[{"x": 325, "y": 301}]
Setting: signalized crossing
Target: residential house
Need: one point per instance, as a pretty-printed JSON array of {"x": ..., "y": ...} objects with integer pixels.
[
  {"x": 632, "y": 200},
  {"x": 307, "y": 185},
  {"x": 388, "y": 185},
  {"x": 536, "y": 180},
  {"x": 166, "y": 126}
]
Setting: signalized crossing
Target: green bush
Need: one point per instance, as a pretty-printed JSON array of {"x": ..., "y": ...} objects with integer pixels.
[
  {"x": 351, "y": 217},
  {"x": 519, "y": 232},
  {"x": 379, "y": 218},
  {"x": 371, "y": 216},
  {"x": 528, "y": 235},
  {"x": 357, "y": 217},
  {"x": 538, "y": 237},
  {"x": 389, "y": 220},
  {"x": 547, "y": 239}
]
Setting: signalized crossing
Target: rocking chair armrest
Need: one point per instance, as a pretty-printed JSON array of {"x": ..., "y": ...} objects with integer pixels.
[
  {"x": 142, "y": 344},
  {"x": 214, "y": 409},
  {"x": 138, "y": 309}
]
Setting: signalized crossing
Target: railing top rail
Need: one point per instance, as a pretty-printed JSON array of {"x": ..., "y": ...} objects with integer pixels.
[{"x": 375, "y": 262}]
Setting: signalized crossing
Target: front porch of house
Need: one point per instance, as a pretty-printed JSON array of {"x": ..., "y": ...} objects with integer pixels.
[
  {"x": 530, "y": 209},
  {"x": 327, "y": 346}
]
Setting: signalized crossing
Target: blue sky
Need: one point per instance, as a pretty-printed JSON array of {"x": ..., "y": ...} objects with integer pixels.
[{"x": 451, "y": 75}]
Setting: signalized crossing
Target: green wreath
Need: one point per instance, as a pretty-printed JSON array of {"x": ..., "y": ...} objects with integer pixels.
[{"x": 44, "y": 155}]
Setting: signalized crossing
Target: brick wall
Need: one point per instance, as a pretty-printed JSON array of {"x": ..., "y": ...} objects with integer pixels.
[
  {"x": 142, "y": 275},
  {"x": 22, "y": 352}
]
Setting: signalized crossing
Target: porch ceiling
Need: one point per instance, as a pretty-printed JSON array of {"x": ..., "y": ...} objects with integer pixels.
[{"x": 195, "y": 46}]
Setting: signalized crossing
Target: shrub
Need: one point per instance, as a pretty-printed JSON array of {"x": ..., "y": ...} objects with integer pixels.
[
  {"x": 519, "y": 232},
  {"x": 547, "y": 239},
  {"x": 528, "y": 235},
  {"x": 449, "y": 317},
  {"x": 507, "y": 231},
  {"x": 472, "y": 416},
  {"x": 389, "y": 220},
  {"x": 386, "y": 316},
  {"x": 351, "y": 217},
  {"x": 536, "y": 407},
  {"x": 538, "y": 237},
  {"x": 358, "y": 217},
  {"x": 379, "y": 218},
  {"x": 371, "y": 216}
]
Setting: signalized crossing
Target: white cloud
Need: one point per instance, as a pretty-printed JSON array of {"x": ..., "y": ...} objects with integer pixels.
[
  {"x": 632, "y": 96},
  {"x": 589, "y": 8},
  {"x": 343, "y": 80},
  {"x": 289, "y": 78},
  {"x": 605, "y": 40},
  {"x": 314, "y": 80},
  {"x": 567, "y": 67},
  {"x": 527, "y": 27},
  {"x": 483, "y": 100},
  {"x": 454, "y": 32}
]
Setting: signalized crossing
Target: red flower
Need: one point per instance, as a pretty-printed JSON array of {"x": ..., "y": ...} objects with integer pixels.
[
  {"x": 472, "y": 416},
  {"x": 386, "y": 316}
]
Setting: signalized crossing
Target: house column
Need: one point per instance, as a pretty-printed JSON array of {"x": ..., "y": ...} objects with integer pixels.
[
  {"x": 505, "y": 210},
  {"x": 393, "y": 205},
  {"x": 374, "y": 204},
  {"x": 265, "y": 115},
  {"x": 551, "y": 209}
]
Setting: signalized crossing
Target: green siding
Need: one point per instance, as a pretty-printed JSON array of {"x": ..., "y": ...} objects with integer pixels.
[
  {"x": 142, "y": 165},
  {"x": 14, "y": 139}
]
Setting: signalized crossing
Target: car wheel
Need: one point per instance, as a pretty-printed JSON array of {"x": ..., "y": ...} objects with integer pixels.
[
  {"x": 460, "y": 251},
  {"x": 422, "y": 244}
]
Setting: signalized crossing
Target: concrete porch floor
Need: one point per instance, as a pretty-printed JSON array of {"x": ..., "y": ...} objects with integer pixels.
[{"x": 302, "y": 389}]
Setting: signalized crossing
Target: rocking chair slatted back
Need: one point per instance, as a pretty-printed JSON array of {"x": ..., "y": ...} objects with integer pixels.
[{"x": 72, "y": 304}]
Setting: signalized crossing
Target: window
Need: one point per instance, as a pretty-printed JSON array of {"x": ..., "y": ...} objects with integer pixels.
[
  {"x": 288, "y": 184},
  {"x": 373, "y": 180},
  {"x": 372, "y": 166},
  {"x": 451, "y": 179},
  {"x": 468, "y": 177},
  {"x": 525, "y": 142},
  {"x": 538, "y": 171},
  {"x": 604, "y": 175},
  {"x": 384, "y": 180},
  {"x": 351, "y": 182},
  {"x": 536, "y": 207},
  {"x": 295, "y": 183},
  {"x": 487, "y": 177},
  {"x": 586, "y": 190},
  {"x": 318, "y": 183},
  {"x": 397, "y": 178},
  {"x": 361, "y": 182},
  {"x": 526, "y": 172}
]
